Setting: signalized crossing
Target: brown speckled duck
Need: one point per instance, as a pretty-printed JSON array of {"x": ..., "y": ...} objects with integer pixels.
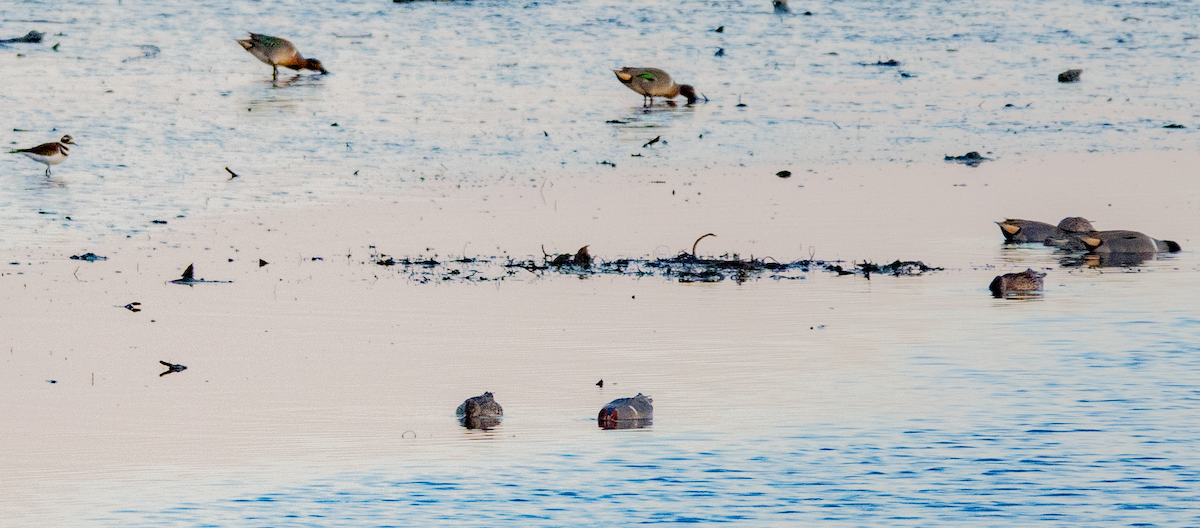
[
  {"x": 653, "y": 82},
  {"x": 1025, "y": 282},
  {"x": 279, "y": 52}
]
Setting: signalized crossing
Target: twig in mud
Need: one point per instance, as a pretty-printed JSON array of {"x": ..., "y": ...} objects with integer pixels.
[
  {"x": 698, "y": 241},
  {"x": 232, "y": 174}
]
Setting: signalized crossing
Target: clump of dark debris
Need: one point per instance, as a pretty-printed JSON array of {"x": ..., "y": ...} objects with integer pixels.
[
  {"x": 970, "y": 159},
  {"x": 684, "y": 267},
  {"x": 89, "y": 256}
]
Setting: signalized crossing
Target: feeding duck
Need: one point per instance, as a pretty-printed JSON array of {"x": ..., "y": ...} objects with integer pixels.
[
  {"x": 653, "y": 82},
  {"x": 279, "y": 52},
  {"x": 1024, "y": 282}
]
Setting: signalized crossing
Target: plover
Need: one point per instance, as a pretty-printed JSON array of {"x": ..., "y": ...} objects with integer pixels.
[{"x": 48, "y": 153}]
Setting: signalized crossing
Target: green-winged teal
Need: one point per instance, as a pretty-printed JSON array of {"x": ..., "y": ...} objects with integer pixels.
[
  {"x": 653, "y": 82},
  {"x": 1023, "y": 231},
  {"x": 1127, "y": 242},
  {"x": 279, "y": 52}
]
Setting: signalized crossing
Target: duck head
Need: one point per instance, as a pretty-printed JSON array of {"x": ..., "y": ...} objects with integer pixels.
[
  {"x": 314, "y": 65},
  {"x": 1076, "y": 224},
  {"x": 686, "y": 91}
]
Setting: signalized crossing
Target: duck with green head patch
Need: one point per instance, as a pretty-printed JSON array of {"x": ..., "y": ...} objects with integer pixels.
[{"x": 653, "y": 82}]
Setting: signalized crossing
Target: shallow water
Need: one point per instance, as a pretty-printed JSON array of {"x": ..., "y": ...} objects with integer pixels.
[
  {"x": 321, "y": 387},
  {"x": 434, "y": 94}
]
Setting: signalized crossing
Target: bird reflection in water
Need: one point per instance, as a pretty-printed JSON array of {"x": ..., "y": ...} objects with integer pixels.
[
  {"x": 1107, "y": 260},
  {"x": 285, "y": 94}
]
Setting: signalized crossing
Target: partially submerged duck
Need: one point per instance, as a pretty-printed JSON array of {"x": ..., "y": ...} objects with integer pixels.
[
  {"x": 1019, "y": 231},
  {"x": 279, "y": 52},
  {"x": 1024, "y": 282},
  {"x": 1127, "y": 242},
  {"x": 653, "y": 82},
  {"x": 627, "y": 413},
  {"x": 480, "y": 412}
]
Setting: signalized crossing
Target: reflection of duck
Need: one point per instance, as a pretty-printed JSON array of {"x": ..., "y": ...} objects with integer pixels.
[
  {"x": 279, "y": 52},
  {"x": 653, "y": 82},
  {"x": 47, "y": 153},
  {"x": 627, "y": 413},
  {"x": 781, "y": 7},
  {"x": 1024, "y": 282}
]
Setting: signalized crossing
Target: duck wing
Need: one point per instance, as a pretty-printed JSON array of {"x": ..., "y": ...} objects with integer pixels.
[{"x": 272, "y": 50}]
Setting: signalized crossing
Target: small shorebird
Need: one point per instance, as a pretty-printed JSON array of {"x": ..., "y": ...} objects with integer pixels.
[
  {"x": 279, "y": 52},
  {"x": 48, "y": 153},
  {"x": 653, "y": 82}
]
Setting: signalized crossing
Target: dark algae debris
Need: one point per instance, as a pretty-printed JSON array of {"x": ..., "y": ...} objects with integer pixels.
[
  {"x": 684, "y": 267},
  {"x": 970, "y": 159}
]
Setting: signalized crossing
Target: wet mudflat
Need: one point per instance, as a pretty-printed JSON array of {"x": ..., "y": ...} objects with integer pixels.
[{"x": 320, "y": 386}]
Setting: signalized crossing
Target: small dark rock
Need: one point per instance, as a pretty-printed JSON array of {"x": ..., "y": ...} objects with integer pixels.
[
  {"x": 784, "y": 174},
  {"x": 582, "y": 258},
  {"x": 158, "y": 221},
  {"x": 1069, "y": 76},
  {"x": 90, "y": 257},
  {"x": 1174, "y": 125},
  {"x": 262, "y": 263},
  {"x": 33, "y": 37}
]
